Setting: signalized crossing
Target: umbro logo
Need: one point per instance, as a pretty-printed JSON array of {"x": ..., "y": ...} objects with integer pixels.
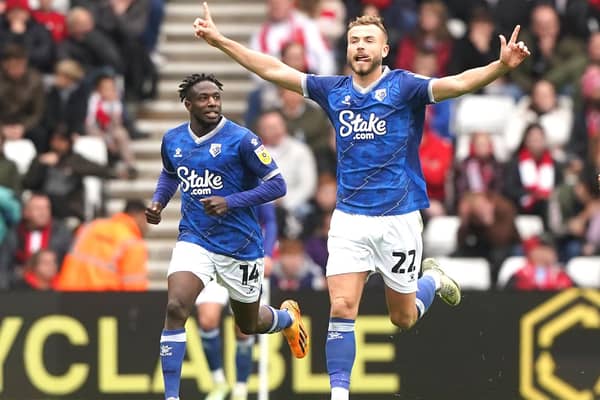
[
  {"x": 165, "y": 350},
  {"x": 334, "y": 336},
  {"x": 177, "y": 153}
]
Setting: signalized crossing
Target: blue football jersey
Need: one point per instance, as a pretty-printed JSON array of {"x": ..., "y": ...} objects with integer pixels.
[
  {"x": 378, "y": 132},
  {"x": 229, "y": 159}
]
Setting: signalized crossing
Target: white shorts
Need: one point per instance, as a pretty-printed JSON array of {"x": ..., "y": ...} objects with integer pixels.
[
  {"x": 242, "y": 279},
  {"x": 213, "y": 293},
  {"x": 391, "y": 245}
]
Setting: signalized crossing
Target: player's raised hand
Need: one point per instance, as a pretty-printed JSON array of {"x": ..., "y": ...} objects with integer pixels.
[
  {"x": 205, "y": 28},
  {"x": 214, "y": 205},
  {"x": 513, "y": 53},
  {"x": 153, "y": 213}
]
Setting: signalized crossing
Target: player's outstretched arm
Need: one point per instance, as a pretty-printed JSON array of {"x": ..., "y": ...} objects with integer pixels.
[
  {"x": 267, "y": 67},
  {"x": 512, "y": 55}
]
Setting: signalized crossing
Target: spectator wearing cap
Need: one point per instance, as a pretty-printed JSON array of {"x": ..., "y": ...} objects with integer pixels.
[
  {"x": 541, "y": 271},
  {"x": 17, "y": 26},
  {"x": 66, "y": 101},
  {"x": 22, "y": 98},
  {"x": 119, "y": 263}
]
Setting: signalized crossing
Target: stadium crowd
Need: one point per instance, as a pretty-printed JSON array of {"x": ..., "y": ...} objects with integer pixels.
[{"x": 527, "y": 145}]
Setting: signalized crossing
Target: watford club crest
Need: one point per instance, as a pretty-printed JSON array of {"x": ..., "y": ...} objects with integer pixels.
[
  {"x": 380, "y": 94},
  {"x": 263, "y": 155},
  {"x": 215, "y": 149}
]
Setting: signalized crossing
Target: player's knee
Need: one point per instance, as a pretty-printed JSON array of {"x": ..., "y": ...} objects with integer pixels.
[
  {"x": 177, "y": 311},
  {"x": 403, "y": 320},
  {"x": 343, "y": 307},
  {"x": 208, "y": 322}
]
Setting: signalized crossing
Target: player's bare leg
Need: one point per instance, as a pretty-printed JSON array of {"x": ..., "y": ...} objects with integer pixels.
[
  {"x": 183, "y": 288},
  {"x": 402, "y": 309},
  {"x": 345, "y": 292}
]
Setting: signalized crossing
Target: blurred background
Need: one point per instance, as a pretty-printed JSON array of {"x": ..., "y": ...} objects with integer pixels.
[{"x": 88, "y": 88}]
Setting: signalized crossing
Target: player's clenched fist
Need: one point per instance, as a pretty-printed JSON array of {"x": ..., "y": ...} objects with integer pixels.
[
  {"x": 153, "y": 213},
  {"x": 215, "y": 205}
]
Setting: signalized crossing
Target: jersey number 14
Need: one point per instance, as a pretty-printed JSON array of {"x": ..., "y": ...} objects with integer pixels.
[{"x": 252, "y": 276}]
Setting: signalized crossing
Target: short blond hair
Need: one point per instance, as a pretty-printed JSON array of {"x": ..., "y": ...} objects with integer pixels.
[{"x": 369, "y": 20}]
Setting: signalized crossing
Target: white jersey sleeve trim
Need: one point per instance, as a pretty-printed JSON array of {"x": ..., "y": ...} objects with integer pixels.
[
  {"x": 304, "y": 86},
  {"x": 271, "y": 174},
  {"x": 430, "y": 91}
]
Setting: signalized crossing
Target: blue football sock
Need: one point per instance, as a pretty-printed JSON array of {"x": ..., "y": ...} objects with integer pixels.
[
  {"x": 340, "y": 351},
  {"x": 425, "y": 293},
  {"x": 213, "y": 349},
  {"x": 243, "y": 359},
  {"x": 172, "y": 351},
  {"x": 281, "y": 320}
]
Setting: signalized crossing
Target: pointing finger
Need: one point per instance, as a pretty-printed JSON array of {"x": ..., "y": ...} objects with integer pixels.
[
  {"x": 515, "y": 34},
  {"x": 206, "y": 12}
]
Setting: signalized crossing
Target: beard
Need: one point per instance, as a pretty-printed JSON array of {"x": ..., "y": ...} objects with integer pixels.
[{"x": 362, "y": 69}]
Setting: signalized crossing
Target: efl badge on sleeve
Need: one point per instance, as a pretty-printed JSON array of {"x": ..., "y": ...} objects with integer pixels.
[
  {"x": 263, "y": 155},
  {"x": 215, "y": 149}
]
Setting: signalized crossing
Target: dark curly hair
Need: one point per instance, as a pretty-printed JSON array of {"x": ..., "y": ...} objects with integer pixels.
[{"x": 191, "y": 80}]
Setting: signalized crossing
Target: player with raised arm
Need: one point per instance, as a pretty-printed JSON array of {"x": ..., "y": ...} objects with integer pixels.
[
  {"x": 378, "y": 116},
  {"x": 218, "y": 166}
]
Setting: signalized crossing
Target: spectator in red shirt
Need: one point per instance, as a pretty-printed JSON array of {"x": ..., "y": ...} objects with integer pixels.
[
  {"x": 542, "y": 272},
  {"x": 436, "y": 156},
  {"x": 54, "y": 21},
  {"x": 40, "y": 272},
  {"x": 431, "y": 35}
]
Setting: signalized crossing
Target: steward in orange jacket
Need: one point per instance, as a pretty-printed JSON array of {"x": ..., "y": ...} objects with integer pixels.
[{"x": 108, "y": 254}]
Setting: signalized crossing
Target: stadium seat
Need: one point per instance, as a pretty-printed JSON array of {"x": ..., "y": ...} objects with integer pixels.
[
  {"x": 21, "y": 152},
  {"x": 439, "y": 238},
  {"x": 508, "y": 268},
  {"x": 529, "y": 225},
  {"x": 487, "y": 113},
  {"x": 94, "y": 149},
  {"x": 483, "y": 113},
  {"x": 585, "y": 271},
  {"x": 470, "y": 273}
]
